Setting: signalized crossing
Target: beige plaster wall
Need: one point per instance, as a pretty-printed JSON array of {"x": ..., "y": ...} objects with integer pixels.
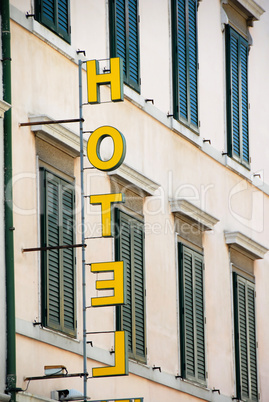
[{"x": 47, "y": 83}]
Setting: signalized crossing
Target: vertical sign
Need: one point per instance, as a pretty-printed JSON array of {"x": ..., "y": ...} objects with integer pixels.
[{"x": 117, "y": 284}]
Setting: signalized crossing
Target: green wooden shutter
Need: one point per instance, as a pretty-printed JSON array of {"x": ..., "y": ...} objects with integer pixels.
[
  {"x": 121, "y": 33},
  {"x": 185, "y": 60},
  {"x": 245, "y": 339},
  {"x": 55, "y": 15},
  {"x": 49, "y": 10},
  {"x": 63, "y": 16},
  {"x": 138, "y": 263},
  {"x": 124, "y": 242},
  {"x": 124, "y": 38},
  {"x": 244, "y": 98},
  {"x": 53, "y": 256},
  {"x": 182, "y": 60},
  {"x": 133, "y": 55},
  {"x": 237, "y": 95},
  {"x": 191, "y": 296},
  {"x": 193, "y": 63},
  {"x": 129, "y": 241},
  {"x": 68, "y": 256},
  {"x": 58, "y": 266}
]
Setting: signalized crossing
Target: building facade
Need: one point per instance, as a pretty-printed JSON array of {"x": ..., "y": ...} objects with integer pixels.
[{"x": 191, "y": 227}]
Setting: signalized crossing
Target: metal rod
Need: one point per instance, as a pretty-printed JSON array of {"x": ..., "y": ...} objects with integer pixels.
[
  {"x": 116, "y": 400},
  {"x": 100, "y": 332},
  {"x": 99, "y": 237},
  {"x": 37, "y": 123},
  {"x": 26, "y": 250},
  {"x": 83, "y": 230},
  {"x": 46, "y": 377}
]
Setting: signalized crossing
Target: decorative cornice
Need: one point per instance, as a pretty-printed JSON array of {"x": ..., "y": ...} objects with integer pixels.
[
  {"x": 245, "y": 245},
  {"x": 4, "y": 106},
  {"x": 192, "y": 214},
  {"x": 128, "y": 175},
  {"x": 57, "y": 135},
  {"x": 249, "y": 7}
]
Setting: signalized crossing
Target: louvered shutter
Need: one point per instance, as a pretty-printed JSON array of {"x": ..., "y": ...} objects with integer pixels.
[
  {"x": 68, "y": 262},
  {"x": 245, "y": 339},
  {"x": 58, "y": 274},
  {"x": 55, "y": 15},
  {"x": 48, "y": 10},
  {"x": 133, "y": 43},
  {"x": 121, "y": 33},
  {"x": 182, "y": 60},
  {"x": 185, "y": 60},
  {"x": 138, "y": 251},
  {"x": 63, "y": 14},
  {"x": 199, "y": 317},
  {"x": 192, "y": 315},
  {"x": 125, "y": 255},
  {"x": 192, "y": 47},
  {"x": 237, "y": 95},
  {"x": 244, "y": 98},
  {"x": 53, "y": 263},
  {"x": 124, "y": 38},
  {"x": 129, "y": 242}
]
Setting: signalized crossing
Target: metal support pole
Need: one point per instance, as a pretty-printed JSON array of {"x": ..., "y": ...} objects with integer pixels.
[{"x": 82, "y": 234}]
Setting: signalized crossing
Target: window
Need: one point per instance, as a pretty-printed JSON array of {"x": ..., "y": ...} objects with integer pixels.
[
  {"x": 55, "y": 15},
  {"x": 245, "y": 339},
  {"x": 58, "y": 265},
  {"x": 191, "y": 300},
  {"x": 243, "y": 252},
  {"x": 237, "y": 95},
  {"x": 129, "y": 241},
  {"x": 124, "y": 38},
  {"x": 185, "y": 61}
]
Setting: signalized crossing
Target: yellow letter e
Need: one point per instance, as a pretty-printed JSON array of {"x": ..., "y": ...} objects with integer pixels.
[{"x": 117, "y": 283}]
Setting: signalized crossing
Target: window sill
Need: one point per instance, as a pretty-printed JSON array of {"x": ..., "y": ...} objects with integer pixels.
[
  {"x": 168, "y": 121},
  {"x": 47, "y": 335},
  {"x": 237, "y": 167},
  {"x": 26, "y": 328},
  {"x": 43, "y": 33}
]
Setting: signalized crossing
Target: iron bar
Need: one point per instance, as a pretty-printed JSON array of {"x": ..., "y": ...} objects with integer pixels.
[
  {"x": 46, "y": 377},
  {"x": 98, "y": 237},
  {"x": 37, "y": 123},
  {"x": 100, "y": 332},
  {"x": 26, "y": 250}
]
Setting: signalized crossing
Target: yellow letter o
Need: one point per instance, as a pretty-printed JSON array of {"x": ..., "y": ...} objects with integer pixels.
[{"x": 93, "y": 148}]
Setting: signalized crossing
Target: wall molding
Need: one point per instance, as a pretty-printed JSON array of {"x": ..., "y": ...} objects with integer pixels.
[
  {"x": 127, "y": 175},
  {"x": 193, "y": 215},
  {"x": 4, "y": 106},
  {"x": 57, "y": 135},
  {"x": 238, "y": 241}
]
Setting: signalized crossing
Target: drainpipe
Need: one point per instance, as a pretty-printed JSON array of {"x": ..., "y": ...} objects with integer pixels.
[{"x": 9, "y": 245}]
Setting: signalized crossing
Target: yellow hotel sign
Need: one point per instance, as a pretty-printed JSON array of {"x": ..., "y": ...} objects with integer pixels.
[{"x": 117, "y": 284}]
